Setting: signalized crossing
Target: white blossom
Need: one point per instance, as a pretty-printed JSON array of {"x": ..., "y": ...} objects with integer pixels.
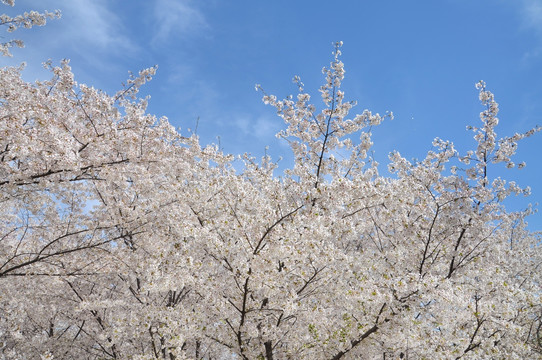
[{"x": 122, "y": 238}]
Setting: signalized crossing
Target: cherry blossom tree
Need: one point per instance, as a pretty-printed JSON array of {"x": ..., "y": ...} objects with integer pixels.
[
  {"x": 26, "y": 20},
  {"x": 123, "y": 239}
]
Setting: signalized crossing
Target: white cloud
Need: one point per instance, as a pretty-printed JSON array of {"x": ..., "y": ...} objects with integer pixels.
[
  {"x": 531, "y": 13},
  {"x": 261, "y": 127},
  {"x": 96, "y": 25},
  {"x": 177, "y": 17},
  {"x": 267, "y": 127},
  {"x": 528, "y": 14},
  {"x": 88, "y": 30}
]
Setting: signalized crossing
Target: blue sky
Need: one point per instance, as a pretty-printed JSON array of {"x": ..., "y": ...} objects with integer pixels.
[{"x": 419, "y": 59}]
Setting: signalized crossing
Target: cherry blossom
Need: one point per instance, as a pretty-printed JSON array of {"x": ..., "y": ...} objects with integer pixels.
[
  {"x": 122, "y": 238},
  {"x": 26, "y": 20}
]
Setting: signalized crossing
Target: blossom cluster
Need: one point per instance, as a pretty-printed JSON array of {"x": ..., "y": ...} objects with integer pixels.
[
  {"x": 121, "y": 238},
  {"x": 26, "y": 20}
]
